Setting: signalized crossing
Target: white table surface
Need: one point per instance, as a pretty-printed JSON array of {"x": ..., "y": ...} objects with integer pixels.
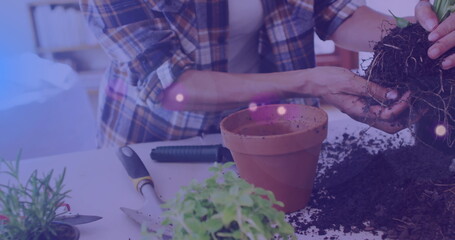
[
  {"x": 62, "y": 123},
  {"x": 100, "y": 185}
]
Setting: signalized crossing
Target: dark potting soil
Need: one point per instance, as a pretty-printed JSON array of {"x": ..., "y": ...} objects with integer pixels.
[
  {"x": 405, "y": 192},
  {"x": 401, "y": 61}
]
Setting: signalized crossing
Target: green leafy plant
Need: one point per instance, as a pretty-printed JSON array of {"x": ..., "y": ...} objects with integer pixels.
[
  {"x": 443, "y": 8},
  {"x": 225, "y": 207},
  {"x": 29, "y": 208},
  {"x": 401, "y": 22}
]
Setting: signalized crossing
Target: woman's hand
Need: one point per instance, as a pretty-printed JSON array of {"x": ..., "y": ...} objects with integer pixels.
[
  {"x": 443, "y": 34},
  {"x": 360, "y": 99}
]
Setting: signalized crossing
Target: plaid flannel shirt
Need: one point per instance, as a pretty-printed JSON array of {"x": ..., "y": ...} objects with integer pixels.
[{"x": 152, "y": 42}]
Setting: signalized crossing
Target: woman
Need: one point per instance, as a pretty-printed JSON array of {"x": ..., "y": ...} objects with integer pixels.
[{"x": 179, "y": 66}]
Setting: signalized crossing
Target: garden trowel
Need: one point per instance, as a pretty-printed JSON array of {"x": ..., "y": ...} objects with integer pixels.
[{"x": 150, "y": 213}]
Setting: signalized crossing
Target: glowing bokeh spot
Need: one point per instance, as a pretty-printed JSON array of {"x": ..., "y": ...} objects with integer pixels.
[
  {"x": 179, "y": 97},
  {"x": 281, "y": 110},
  {"x": 253, "y": 107},
  {"x": 440, "y": 130}
]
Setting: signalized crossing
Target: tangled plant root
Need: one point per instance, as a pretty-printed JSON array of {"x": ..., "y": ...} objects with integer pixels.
[{"x": 400, "y": 61}]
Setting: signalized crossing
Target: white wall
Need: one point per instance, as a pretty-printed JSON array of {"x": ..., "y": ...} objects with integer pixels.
[{"x": 398, "y": 7}]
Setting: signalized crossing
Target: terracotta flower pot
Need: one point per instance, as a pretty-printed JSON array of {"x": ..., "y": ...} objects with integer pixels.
[{"x": 276, "y": 147}]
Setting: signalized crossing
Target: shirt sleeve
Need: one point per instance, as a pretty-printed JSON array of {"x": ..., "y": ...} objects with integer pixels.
[
  {"x": 330, "y": 14},
  {"x": 140, "y": 42}
]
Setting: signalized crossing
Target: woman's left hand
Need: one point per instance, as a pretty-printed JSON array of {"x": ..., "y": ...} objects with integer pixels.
[
  {"x": 442, "y": 34},
  {"x": 362, "y": 100}
]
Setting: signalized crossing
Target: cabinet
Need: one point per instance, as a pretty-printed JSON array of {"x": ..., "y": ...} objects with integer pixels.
[
  {"x": 340, "y": 58},
  {"x": 60, "y": 33},
  {"x": 328, "y": 54}
]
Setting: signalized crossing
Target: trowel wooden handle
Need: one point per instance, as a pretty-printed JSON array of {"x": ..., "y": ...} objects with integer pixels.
[{"x": 134, "y": 167}]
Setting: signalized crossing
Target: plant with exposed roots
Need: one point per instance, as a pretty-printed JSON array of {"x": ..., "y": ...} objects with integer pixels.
[{"x": 400, "y": 61}]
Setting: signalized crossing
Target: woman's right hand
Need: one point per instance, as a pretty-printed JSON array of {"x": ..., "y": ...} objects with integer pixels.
[
  {"x": 349, "y": 93},
  {"x": 441, "y": 34}
]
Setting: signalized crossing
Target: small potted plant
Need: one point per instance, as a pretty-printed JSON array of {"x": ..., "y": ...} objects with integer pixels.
[
  {"x": 224, "y": 207},
  {"x": 28, "y": 209}
]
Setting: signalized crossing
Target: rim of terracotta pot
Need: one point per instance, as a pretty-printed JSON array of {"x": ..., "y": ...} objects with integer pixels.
[{"x": 313, "y": 131}]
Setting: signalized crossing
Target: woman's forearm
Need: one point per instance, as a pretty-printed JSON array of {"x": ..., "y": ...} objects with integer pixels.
[
  {"x": 362, "y": 29},
  {"x": 217, "y": 91}
]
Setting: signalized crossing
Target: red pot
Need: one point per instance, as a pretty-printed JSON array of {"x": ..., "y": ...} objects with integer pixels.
[{"x": 276, "y": 147}]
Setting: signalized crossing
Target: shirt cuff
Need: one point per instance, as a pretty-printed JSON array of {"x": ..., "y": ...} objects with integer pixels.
[{"x": 152, "y": 87}]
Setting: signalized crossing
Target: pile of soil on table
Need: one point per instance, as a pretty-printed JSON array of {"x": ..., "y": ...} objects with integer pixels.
[{"x": 406, "y": 192}]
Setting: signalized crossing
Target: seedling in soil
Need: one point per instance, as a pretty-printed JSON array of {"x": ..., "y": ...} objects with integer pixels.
[{"x": 401, "y": 22}]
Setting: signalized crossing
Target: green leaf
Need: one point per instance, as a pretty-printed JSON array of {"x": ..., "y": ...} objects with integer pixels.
[
  {"x": 194, "y": 224},
  {"x": 166, "y": 221},
  {"x": 259, "y": 225},
  {"x": 228, "y": 165},
  {"x": 224, "y": 235},
  {"x": 237, "y": 235},
  {"x": 230, "y": 177},
  {"x": 213, "y": 169},
  {"x": 188, "y": 206},
  {"x": 245, "y": 200},
  {"x": 220, "y": 197},
  {"x": 234, "y": 190},
  {"x": 228, "y": 215},
  {"x": 401, "y": 22},
  {"x": 443, "y": 8},
  {"x": 200, "y": 211},
  {"x": 279, "y": 203},
  {"x": 287, "y": 228},
  {"x": 211, "y": 182},
  {"x": 261, "y": 191},
  {"x": 213, "y": 225}
]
